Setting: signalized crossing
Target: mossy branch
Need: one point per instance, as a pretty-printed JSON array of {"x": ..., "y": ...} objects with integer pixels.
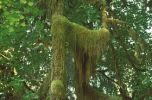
[{"x": 90, "y": 41}]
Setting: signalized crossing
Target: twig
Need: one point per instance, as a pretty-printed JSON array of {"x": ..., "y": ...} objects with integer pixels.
[{"x": 4, "y": 56}]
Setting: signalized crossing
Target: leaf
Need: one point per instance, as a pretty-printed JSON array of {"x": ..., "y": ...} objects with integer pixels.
[{"x": 23, "y": 1}]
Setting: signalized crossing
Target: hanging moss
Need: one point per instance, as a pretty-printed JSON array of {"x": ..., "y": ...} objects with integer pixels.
[
  {"x": 86, "y": 45},
  {"x": 90, "y": 41}
]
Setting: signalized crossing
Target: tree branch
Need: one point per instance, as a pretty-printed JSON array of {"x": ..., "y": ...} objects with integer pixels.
[
  {"x": 103, "y": 73},
  {"x": 135, "y": 36},
  {"x": 118, "y": 74},
  {"x": 129, "y": 58}
]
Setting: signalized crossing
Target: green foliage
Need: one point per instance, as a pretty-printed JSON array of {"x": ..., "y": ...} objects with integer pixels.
[
  {"x": 24, "y": 42},
  {"x": 84, "y": 14},
  {"x": 30, "y": 96},
  {"x": 25, "y": 47},
  {"x": 17, "y": 84}
]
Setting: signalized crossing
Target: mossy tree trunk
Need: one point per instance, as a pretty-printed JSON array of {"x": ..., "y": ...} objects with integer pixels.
[
  {"x": 53, "y": 87},
  {"x": 58, "y": 77}
]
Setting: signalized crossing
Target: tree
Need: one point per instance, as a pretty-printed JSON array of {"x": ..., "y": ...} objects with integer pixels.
[
  {"x": 84, "y": 57},
  {"x": 86, "y": 54}
]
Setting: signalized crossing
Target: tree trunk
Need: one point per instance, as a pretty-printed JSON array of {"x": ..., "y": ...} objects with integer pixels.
[
  {"x": 53, "y": 87},
  {"x": 57, "y": 89},
  {"x": 55, "y": 7}
]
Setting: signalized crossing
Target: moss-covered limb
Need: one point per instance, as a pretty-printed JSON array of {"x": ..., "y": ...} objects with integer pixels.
[{"x": 90, "y": 41}]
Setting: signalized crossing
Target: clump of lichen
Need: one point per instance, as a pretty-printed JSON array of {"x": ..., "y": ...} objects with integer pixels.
[{"x": 57, "y": 88}]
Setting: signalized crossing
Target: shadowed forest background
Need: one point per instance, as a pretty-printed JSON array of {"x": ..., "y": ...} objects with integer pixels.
[{"x": 75, "y": 49}]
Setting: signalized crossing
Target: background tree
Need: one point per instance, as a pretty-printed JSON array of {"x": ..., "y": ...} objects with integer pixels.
[{"x": 124, "y": 69}]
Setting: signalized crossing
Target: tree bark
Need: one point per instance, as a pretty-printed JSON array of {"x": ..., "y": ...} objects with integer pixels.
[{"x": 55, "y": 80}]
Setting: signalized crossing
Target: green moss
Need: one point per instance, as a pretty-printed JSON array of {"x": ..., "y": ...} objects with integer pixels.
[
  {"x": 57, "y": 88},
  {"x": 91, "y": 41},
  {"x": 80, "y": 39},
  {"x": 83, "y": 42},
  {"x": 58, "y": 45}
]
